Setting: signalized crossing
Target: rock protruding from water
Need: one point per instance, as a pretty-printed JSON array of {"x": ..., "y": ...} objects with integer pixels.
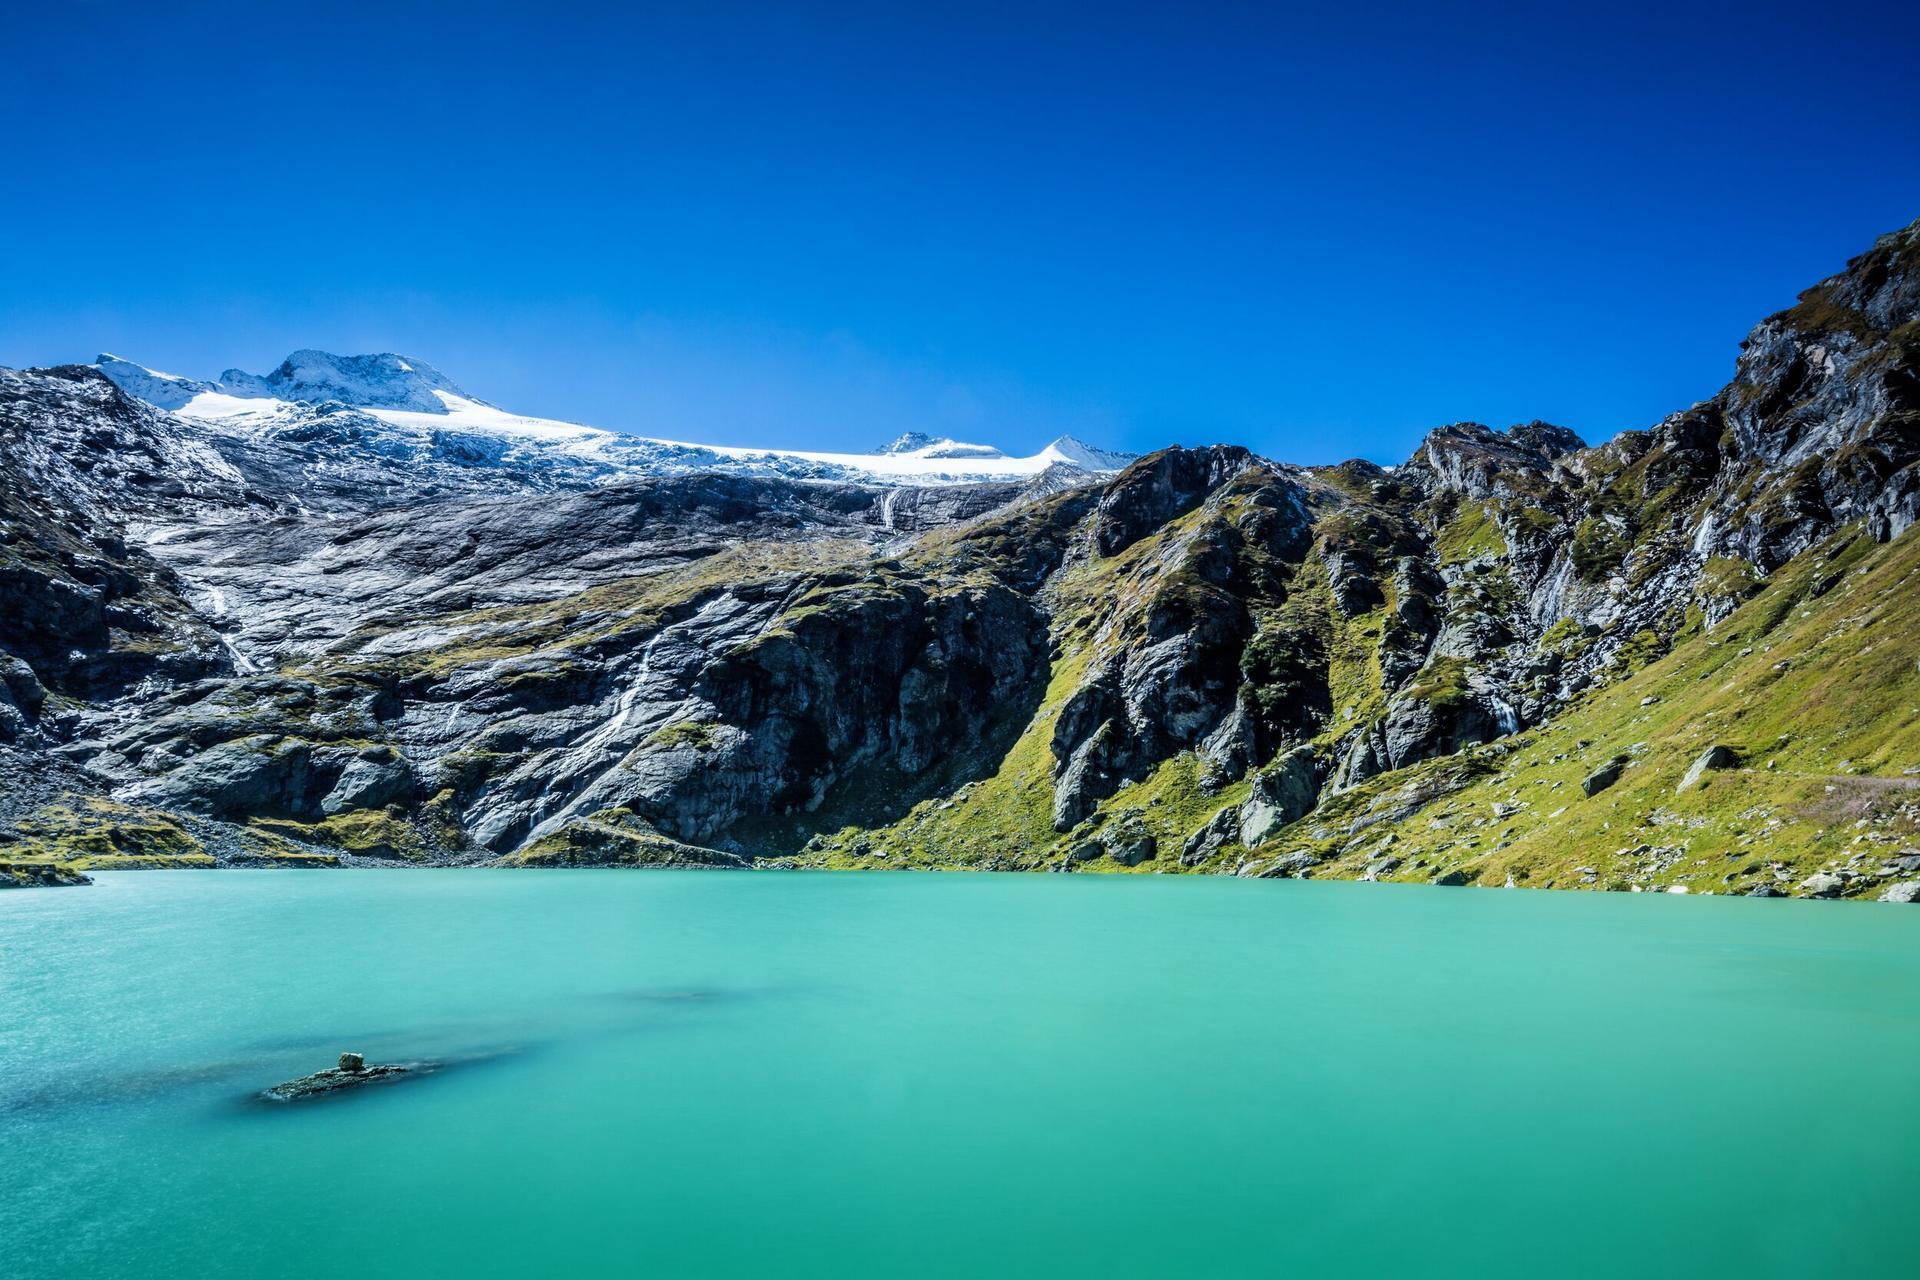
[{"x": 352, "y": 1072}]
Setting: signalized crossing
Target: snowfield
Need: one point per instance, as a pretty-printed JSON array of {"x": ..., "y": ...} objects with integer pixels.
[{"x": 426, "y": 411}]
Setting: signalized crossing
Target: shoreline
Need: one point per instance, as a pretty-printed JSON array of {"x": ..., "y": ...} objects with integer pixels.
[{"x": 1909, "y": 891}]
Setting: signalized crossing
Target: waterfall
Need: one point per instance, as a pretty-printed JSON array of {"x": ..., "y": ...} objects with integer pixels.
[{"x": 1504, "y": 716}]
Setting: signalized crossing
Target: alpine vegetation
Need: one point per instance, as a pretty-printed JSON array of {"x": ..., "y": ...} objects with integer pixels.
[{"x": 346, "y": 612}]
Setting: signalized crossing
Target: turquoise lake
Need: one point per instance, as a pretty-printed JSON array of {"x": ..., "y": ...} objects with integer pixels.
[{"x": 714, "y": 1074}]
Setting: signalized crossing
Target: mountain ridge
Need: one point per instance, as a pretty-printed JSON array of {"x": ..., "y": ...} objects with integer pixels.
[{"x": 1679, "y": 659}]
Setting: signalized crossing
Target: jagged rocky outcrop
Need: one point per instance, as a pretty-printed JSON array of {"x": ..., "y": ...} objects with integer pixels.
[
  {"x": 322, "y": 636},
  {"x": 1168, "y": 675}
]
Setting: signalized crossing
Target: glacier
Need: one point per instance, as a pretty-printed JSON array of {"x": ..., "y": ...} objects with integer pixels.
[{"x": 402, "y": 409}]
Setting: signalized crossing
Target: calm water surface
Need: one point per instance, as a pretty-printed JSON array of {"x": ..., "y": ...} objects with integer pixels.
[{"x": 701, "y": 1074}]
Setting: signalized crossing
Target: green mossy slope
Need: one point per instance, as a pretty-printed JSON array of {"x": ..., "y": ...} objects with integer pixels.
[{"x": 1813, "y": 684}]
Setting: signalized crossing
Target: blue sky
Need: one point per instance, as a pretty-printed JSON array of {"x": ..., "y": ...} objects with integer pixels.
[{"x": 1318, "y": 233}]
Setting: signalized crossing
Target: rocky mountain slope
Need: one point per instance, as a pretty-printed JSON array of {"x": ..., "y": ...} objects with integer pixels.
[{"x": 335, "y": 625}]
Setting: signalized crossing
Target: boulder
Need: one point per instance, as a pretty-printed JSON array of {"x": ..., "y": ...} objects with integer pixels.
[
  {"x": 1714, "y": 757},
  {"x": 1822, "y": 884},
  {"x": 1130, "y": 845},
  {"x": 1452, "y": 878},
  {"x": 1765, "y": 890},
  {"x": 1905, "y": 891},
  {"x": 1603, "y": 777}
]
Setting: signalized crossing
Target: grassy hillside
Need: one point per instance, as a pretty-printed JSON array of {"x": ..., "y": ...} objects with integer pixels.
[{"x": 1812, "y": 686}]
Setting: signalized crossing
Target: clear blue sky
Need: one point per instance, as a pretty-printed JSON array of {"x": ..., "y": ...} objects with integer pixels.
[{"x": 1316, "y": 231}]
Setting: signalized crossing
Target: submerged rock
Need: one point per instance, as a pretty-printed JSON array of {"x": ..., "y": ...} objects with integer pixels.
[{"x": 352, "y": 1072}]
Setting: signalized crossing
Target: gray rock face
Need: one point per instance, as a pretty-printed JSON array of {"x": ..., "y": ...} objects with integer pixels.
[
  {"x": 21, "y": 687},
  {"x": 83, "y": 611},
  {"x": 1220, "y": 830},
  {"x": 374, "y": 779},
  {"x": 1905, "y": 891},
  {"x": 1477, "y": 462},
  {"x": 1173, "y": 671},
  {"x": 1169, "y": 484},
  {"x": 254, "y": 775},
  {"x": 1283, "y": 792},
  {"x": 1170, "y": 689}
]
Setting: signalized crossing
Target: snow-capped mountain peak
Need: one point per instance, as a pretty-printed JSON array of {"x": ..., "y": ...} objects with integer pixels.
[
  {"x": 162, "y": 390},
  {"x": 919, "y": 444},
  {"x": 1087, "y": 457},
  {"x": 907, "y": 442},
  {"x": 383, "y": 381}
]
